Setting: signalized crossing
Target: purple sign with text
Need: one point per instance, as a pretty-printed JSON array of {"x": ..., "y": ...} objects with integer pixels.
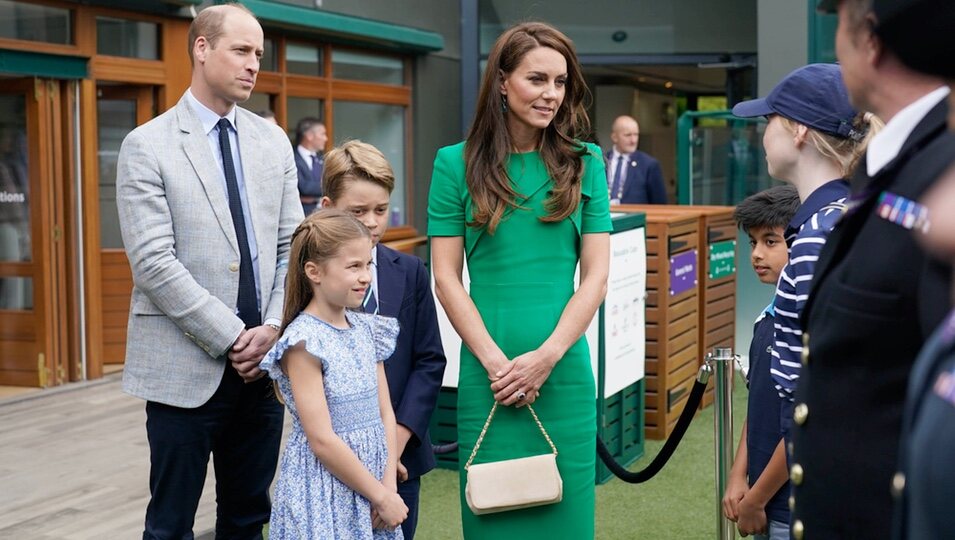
[{"x": 682, "y": 272}]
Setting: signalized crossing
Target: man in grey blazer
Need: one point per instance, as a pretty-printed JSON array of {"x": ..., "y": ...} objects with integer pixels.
[{"x": 208, "y": 201}]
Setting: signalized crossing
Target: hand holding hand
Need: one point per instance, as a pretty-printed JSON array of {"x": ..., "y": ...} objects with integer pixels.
[
  {"x": 389, "y": 511},
  {"x": 521, "y": 384},
  {"x": 736, "y": 489},
  {"x": 752, "y": 516},
  {"x": 249, "y": 349},
  {"x": 497, "y": 367}
]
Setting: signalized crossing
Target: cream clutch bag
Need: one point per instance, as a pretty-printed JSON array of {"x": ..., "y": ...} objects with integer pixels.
[{"x": 512, "y": 484}]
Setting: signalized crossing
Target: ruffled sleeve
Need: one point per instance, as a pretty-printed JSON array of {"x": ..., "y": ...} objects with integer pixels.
[
  {"x": 385, "y": 332},
  {"x": 272, "y": 362}
]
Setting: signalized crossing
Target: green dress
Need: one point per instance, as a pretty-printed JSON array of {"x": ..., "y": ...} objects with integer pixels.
[{"x": 522, "y": 276}]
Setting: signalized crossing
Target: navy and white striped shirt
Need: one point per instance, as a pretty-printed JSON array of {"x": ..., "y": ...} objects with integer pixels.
[{"x": 805, "y": 236}]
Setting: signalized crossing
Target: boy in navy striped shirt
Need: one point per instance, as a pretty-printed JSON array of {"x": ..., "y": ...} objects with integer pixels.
[
  {"x": 813, "y": 141},
  {"x": 757, "y": 491}
]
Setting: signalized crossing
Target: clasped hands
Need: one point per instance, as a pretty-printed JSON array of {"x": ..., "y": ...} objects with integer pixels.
[
  {"x": 748, "y": 514},
  {"x": 249, "y": 349},
  {"x": 518, "y": 382}
]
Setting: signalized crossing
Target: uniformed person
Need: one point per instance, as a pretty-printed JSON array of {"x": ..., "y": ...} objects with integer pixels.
[
  {"x": 876, "y": 295},
  {"x": 920, "y": 31}
]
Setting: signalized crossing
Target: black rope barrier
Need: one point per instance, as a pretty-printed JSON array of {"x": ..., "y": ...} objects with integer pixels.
[
  {"x": 689, "y": 410},
  {"x": 444, "y": 448}
]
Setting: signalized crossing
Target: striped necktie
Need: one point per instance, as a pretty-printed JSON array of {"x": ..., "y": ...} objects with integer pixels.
[{"x": 370, "y": 303}]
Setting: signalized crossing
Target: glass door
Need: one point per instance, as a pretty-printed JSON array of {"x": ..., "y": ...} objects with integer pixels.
[
  {"x": 119, "y": 109},
  {"x": 32, "y": 229}
]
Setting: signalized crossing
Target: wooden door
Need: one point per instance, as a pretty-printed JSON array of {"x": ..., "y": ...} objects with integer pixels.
[
  {"x": 119, "y": 109},
  {"x": 33, "y": 232}
]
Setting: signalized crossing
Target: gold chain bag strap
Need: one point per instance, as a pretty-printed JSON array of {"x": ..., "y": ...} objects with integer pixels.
[{"x": 512, "y": 484}]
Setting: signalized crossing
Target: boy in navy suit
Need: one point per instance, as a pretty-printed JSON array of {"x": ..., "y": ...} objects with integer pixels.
[
  {"x": 757, "y": 493},
  {"x": 358, "y": 179}
]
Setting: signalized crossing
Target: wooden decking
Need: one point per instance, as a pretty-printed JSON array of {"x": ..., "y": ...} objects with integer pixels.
[{"x": 74, "y": 464}]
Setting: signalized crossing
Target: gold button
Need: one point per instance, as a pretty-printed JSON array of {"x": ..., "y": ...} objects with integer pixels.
[
  {"x": 234, "y": 267},
  {"x": 801, "y": 413},
  {"x": 898, "y": 484},
  {"x": 805, "y": 339},
  {"x": 795, "y": 474},
  {"x": 798, "y": 529},
  {"x": 792, "y": 503}
]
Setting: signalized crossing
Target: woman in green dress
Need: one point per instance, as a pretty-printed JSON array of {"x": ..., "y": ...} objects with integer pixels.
[{"x": 523, "y": 200}]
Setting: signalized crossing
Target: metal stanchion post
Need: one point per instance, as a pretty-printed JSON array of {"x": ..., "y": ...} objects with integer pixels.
[{"x": 722, "y": 361}]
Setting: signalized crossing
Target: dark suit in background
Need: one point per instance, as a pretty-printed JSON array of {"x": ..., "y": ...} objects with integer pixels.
[
  {"x": 875, "y": 299},
  {"x": 416, "y": 368},
  {"x": 642, "y": 179},
  {"x": 309, "y": 182}
]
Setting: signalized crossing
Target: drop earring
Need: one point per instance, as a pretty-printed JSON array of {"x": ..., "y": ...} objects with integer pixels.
[{"x": 504, "y": 104}]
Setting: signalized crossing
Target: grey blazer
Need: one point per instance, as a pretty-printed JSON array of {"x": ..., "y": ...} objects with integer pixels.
[{"x": 178, "y": 233}]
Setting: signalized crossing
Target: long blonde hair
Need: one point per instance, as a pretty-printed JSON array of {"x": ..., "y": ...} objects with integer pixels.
[
  {"x": 845, "y": 152},
  {"x": 317, "y": 239}
]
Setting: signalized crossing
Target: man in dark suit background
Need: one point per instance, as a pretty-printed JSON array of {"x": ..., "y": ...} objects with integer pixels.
[
  {"x": 633, "y": 177},
  {"x": 310, "y": 139},
  {"x": 876, "y": 296},
  {"x": 359, "y": 180}
]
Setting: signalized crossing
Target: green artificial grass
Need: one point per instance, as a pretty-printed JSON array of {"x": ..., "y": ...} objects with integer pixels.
[{"x": 678, "y": 503}]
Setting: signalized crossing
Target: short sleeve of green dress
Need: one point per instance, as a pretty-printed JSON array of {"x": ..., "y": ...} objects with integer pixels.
[{"x": 521, "y": 278}]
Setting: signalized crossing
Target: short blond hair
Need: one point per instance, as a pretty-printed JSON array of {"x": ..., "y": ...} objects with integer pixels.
[
  {"x": 355, "y": 160},
  {"x": 208, "y": 24}
]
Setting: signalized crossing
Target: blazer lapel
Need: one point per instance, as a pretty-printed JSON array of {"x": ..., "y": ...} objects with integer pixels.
[
  {"x": 196, "y": 145},
  {"x": 253, "y": 155},
  {"x": 391, "y": 280}
]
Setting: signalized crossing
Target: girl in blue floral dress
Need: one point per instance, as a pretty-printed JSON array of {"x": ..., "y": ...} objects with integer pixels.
[{"x": 338, "y": 476}]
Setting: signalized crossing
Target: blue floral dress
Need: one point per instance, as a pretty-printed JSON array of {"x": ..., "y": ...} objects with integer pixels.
[{"x": 309, "y": 501}]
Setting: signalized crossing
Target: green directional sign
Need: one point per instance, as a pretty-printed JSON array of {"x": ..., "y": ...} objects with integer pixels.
[{"x": 722, "y": 259}]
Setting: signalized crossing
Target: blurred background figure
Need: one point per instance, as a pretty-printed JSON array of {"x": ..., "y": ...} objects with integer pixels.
[
  {"x": 876, "y": 295},
  {"x": 634, "y": 177},
  {"x": 921, "y": 33},
  {"x": 310, "y": 139},
  {"x": 268, "y": 115}
]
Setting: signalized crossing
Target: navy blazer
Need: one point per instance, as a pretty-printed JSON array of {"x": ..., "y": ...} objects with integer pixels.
[
  {"x": 416, "y": 368},
  {"x": 643, "y": 179},
  {"x": 307, "y": 187}
]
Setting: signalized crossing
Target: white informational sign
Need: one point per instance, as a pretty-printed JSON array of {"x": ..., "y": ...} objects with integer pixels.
[
  {"x": 625, "y": 316},
  {"x": 625, "y": 311},
  {"x": 450, "y": 339}
]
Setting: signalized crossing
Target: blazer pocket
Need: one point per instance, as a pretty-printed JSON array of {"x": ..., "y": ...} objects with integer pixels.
[{"x": 867, "y": 304}]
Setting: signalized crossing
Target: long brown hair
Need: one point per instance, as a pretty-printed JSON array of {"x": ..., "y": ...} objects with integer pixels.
[
  {"x": 489, "y": 142},
  {"x": 319, "y": 238}
]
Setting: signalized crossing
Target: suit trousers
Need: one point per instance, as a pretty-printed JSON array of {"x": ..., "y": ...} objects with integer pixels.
[
  {"x": 409, "y": 492},
  {"x": 241, "y": 426}
]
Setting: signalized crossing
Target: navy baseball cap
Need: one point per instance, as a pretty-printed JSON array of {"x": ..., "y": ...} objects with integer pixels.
[{"x": 812, "y": 95}]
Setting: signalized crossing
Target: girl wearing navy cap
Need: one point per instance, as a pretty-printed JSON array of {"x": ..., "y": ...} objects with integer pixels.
[{"x": 813, "y": 141}]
